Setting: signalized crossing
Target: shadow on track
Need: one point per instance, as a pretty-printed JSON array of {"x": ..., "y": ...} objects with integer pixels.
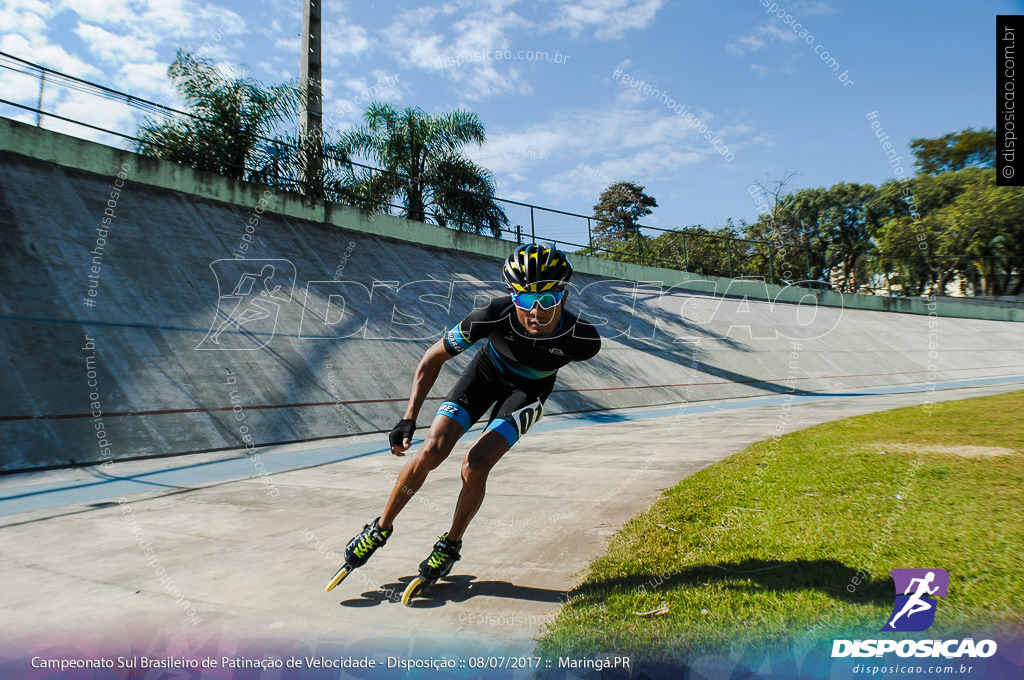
[{"x": 459, "y": 588}]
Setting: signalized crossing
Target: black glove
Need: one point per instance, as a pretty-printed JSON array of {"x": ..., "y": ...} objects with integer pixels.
[{"x": 402, "y": 431}]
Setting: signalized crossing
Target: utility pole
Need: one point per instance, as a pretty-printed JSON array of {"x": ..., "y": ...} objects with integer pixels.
[{"x": 310, "y": 86}]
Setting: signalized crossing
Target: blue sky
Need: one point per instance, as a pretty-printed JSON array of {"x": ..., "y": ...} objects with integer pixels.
[{"x": 562, "y": 127}]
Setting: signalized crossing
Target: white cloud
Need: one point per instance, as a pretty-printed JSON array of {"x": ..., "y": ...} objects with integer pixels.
[
  {"x": 19, "y": 87},
  {"x": 765, "y": 34},
  {"x": 345, "y": 109},
  {"x": 424, "y": 53},
  {"x": 484, "y": 51},
  {"x": 35, "y": 48},
  {"x": 112, "y": 47},
  {"x": 387, "y": 86},
  {"x": 145, "y": 78},
  {"x": 114, "y": 12},
  {"x": 521, "y": 196},
  {"x": 608, "y": 19},
  {"x": 342, "y": 38},
  {"x": 354, "y": 84},
  {"x": 180, "y": 20},
  {"x": 87, "y": 108},
  {"x": 774, "y": 29},
  {"x": 811, "y": 8},
  {"x": 511, "y": 155},
  {"x": 486, "y": 80},
  {"x": 273, "y": 28},
  {"x": 475, "y": 53},
  {"x": 632, "y": 143},
  {"x": 30, "y": 16},
  {"x": 381, "y": 86},
  {"x": 484, "y": 31},
  {"x": 412, "y": 43},
  {"x": 289, "y": 45}
]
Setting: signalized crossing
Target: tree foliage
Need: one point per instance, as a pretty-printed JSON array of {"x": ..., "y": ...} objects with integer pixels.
[
  {"x": 616, "y": 212},
  {"x": 230, "y": 117},
  {"x": 425, "y": 167},
  {"x": 956, "y": 151},
  {"x": 969, "y": 229},
  {"x": 233, "y": 128},
  {"x": 700, "y": 250},
  {"x": 912, "y": 237}
]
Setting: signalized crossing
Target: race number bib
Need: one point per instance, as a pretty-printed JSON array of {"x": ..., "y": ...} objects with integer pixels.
[{"x": 526, "y": 417}]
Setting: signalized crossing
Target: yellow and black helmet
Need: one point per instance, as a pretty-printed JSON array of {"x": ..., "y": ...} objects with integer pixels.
[{"x": 536, "y": 268}]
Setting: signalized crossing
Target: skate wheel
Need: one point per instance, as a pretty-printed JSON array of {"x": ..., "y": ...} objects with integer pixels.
[
  {"x": 339, "y": 577},
  {"x": 412, "y": 590}
]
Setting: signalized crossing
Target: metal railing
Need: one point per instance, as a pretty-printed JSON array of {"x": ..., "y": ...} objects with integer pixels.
[{"x": 691, "y": 249}]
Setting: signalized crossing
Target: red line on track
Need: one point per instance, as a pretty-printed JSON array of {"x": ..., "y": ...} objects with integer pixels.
[{"x": 173, "y": 411}]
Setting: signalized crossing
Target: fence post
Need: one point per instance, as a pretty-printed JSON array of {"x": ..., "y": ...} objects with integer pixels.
[
  {"x": 807, "y": 262},
  {"x": 728, "y": 249},
  {"x": 686, "y": 254},
  {"x": 533, "y": 228},
  {"x": 39, "y": 106},
  {"x": 639, "y": 256},
  {"x": 590, "y": 237},
  {"x": 519, "y": 234},
  {"x": 771, "y": 270},
  {"x": 277, "y": 165}
]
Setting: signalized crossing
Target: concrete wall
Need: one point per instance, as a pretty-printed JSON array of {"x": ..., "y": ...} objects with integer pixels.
[{"x": 332, "y": 357}]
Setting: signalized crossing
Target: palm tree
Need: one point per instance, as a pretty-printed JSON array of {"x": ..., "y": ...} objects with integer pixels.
[
  {"x": 230, "y": 119},
  {"x": 421, "y": 155}
]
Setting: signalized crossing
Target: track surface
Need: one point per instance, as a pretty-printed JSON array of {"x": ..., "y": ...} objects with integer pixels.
[{"x": 253, "y": 565}]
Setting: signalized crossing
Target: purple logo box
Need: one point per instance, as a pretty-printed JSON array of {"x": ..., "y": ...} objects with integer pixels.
[
  {"x": 914, "y": 609},
  {"x": 903, "y": 577}
]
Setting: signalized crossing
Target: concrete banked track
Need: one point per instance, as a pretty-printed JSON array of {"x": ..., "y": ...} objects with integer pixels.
[{"x": 181, "y": 354}]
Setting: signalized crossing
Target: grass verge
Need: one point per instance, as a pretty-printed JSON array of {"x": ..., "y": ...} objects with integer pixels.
[{"x": 789, "y": 544}]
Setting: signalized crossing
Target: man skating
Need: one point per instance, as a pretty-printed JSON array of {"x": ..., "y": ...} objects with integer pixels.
[{"x": 529, "y": 335}]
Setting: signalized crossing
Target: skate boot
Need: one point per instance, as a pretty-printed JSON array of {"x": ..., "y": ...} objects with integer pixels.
[
  {"x": 438, "y": 565},
  {"x": 359, "y": 550}
]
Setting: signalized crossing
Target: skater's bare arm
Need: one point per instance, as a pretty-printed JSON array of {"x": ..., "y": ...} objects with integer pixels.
[{"x": 426, "y": 373}]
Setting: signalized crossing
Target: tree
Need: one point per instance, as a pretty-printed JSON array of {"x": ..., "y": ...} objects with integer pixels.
[
  {"x": 701, "y": 251},
  {"x": 770, "y": 193},
  {"x": 956, "y": 151},
  {"x": 793, "y": 229},
  {"x": 421, "y": 155},
  {"x": 846, "y": 223},
  {"x": 286, "y": 164},
  {"x": 228, "y": 123},
  {"x": 971, "y": 229},
  {"x": 617, "y": 212},
  {"x": 818, "y": 233}
]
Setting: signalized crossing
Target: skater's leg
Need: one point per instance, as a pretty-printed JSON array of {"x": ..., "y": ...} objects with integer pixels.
[
  {"x": 511, "y": 419},
  {"x": 486, "y": 451},
  {"x": 441, "y": 439}
]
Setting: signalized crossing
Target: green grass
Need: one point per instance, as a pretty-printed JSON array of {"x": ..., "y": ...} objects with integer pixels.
[{"x": 769, "y": 542}]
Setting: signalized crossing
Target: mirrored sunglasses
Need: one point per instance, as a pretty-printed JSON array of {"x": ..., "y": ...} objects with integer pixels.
[{"x": 545, "y": 300}]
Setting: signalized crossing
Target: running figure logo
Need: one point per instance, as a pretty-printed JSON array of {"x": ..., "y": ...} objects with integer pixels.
[
  {"x": 914, "y": 609},
  {"x": 246, "y": 318}
]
